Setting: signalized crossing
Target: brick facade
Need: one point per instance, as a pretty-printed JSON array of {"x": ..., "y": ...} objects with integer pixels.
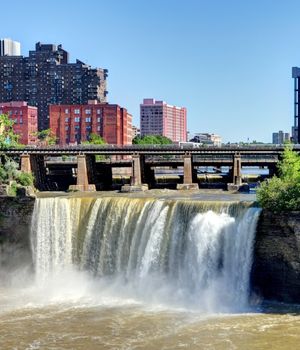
[
  {"x": 25, "y": 120},
  {"x": 74, "y": 123}
]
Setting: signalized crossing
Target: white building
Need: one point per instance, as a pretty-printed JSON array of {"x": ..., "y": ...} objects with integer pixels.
[
  {"x": 207, "y": 139},
  {"x": 9, "y": 47}
]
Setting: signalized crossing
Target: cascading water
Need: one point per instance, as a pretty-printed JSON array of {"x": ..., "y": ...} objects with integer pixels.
[{"x": 178, "y": 252}]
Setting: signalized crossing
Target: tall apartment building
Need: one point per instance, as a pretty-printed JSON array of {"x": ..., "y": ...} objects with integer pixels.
[
  {"x": 74, "y": 123},
  {"x": 280, "y": 137},
  {"x": 46, "y": 77},
  {"x": 9, "y": 47},
  {"x": 25, "y": 120},
  {"x": 296, "y": 77},
  {"x": 160, "y": 118}
]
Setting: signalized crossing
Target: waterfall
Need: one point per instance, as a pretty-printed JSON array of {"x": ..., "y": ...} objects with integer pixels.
[{"x": 183, "y": 252}]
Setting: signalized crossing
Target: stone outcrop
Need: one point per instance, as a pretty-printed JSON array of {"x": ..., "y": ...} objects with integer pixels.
[
  {"x": 276, "y": 267},
  {"x": 15, "y": 222}
]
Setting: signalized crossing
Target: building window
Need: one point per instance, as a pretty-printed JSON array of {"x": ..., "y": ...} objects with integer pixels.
[
  {"x": 88, "y": 119},
  {"x": 98, "y": 111},
  {"x": 87, "y": 111},
  {"x": 67, "y": 111},
  {"x": 77, "y": 119},
  {"x": 76, "y": 111},
  {"x": 66, "y": 120},
  {"x": 21, "y": 120},
  {"x": 66, "y": 127},
  {"x": 88, "y": 128},
  {"x": 98, "y": 128},
  {"x": 76, "y": 127},
  {"x": 98, "y": 120}
]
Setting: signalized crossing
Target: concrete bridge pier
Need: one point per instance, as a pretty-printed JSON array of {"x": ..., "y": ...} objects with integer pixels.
[
  {"x": 188, "y": 183},
  {"x": 236, "y": 173},
  {"x": 136, "y": 177},
  {"x": 237, "y": 169},
  {"x": 25, "y": 163},
  {"x": 82, "y": 176}
]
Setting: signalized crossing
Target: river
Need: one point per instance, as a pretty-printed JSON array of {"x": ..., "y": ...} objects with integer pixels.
[{"x": 148, "y": 272}]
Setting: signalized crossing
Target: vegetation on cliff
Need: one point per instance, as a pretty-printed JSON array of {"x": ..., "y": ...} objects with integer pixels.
[
  {"x": 10, "y": 175},
  {"x": 282, "y": 192},
  {"x": 13, "y": 177}
]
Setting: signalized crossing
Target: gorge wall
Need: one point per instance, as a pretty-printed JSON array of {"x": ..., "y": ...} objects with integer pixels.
[
  {"x": 276, "y": 267},
  {"x": 15, "y": 225}
]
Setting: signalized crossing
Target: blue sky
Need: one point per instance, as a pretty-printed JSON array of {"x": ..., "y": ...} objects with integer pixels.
[{"x": 228, "y": 61}]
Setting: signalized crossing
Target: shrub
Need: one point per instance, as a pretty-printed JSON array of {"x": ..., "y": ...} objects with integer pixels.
[
  {"x": 283, "y": 192},
  {"x": 25, "y": 179}
]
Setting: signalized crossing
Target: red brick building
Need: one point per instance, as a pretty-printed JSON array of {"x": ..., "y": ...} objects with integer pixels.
[
  {"x": 73, "y": 124},
  {"x": 25, "y": 120}
]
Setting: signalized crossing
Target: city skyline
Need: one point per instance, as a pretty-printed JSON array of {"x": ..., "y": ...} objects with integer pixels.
[{"x": 228, "y": 64}]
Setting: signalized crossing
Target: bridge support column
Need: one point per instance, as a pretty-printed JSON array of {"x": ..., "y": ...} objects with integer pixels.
[
  {"x": 136, "y": 177},
  {"x": 187, "y": 174},
  {"x": 237, "y": 170},
  {"x": 82, "y": 176},
  {"x": 237, "y": 173},
  {"x": 25, "y": 163}
]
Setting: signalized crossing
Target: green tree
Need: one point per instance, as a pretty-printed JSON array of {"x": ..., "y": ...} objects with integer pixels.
[
  {"x": 151, "y": 140},
  {"x": 283, "y": 192},
  {"x": 289, "y": 167},
  {"x": 94, "y": 139},
  {"x": 7, "y": 136},
  {"x": 46, "y": 137}
]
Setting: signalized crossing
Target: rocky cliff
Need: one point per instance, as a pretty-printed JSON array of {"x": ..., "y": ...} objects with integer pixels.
[
  {"x": 276, "y": 268},
  {"x": 15, "y": 221}
]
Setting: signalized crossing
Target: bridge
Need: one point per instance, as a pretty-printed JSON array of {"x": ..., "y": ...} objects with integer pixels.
[{"x": 85, "y": 173}]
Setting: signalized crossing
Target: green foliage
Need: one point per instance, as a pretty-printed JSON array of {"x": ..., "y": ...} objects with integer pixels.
[
  {"x": 13, "y": 189},
  {"x": 7, "y": 136},
  {"x": 289, "y": 167},
  {"x": 10, "y": 175},
  {"x": 282, "y": 193},
  {"x": 25, "y": 179},
  {"x": 95, "y": 139},
  {"x": 46, "y": 137},
  {"x": 151, "y": 140},
  {"x": 8, "y": 171}
]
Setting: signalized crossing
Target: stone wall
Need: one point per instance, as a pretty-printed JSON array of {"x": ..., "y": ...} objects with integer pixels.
[{"x": 276, "y": 267}]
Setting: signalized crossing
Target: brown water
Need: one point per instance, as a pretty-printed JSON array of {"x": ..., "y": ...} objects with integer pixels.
[{"x": 80, "y": 326}]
